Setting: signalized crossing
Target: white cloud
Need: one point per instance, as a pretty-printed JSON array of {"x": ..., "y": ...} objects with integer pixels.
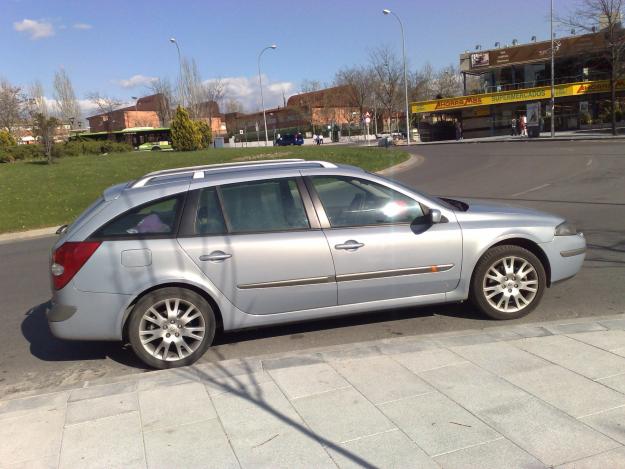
[
  {"x": 246, "y": 91},
  {"x": 82, "y": 26},
  {"x": 36, "y": 29},
  {"x": 135, "y": 81}
]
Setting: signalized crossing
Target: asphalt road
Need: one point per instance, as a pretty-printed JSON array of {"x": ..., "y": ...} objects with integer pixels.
[{"x": 583, "y": 181}]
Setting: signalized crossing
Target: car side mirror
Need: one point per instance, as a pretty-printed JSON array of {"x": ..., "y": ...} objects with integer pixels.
[{"x": 435, "y": 216}]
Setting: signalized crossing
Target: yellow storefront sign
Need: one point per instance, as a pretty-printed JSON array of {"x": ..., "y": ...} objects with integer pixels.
[{"x": 528, "y": 94}]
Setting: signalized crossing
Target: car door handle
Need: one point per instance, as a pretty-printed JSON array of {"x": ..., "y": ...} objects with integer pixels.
[
  {"x": 216, "y": 256},
  {"x": 349, "y": 245}
]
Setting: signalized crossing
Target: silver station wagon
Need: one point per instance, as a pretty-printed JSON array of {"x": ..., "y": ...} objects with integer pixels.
[{"x": 167, "y": 260}]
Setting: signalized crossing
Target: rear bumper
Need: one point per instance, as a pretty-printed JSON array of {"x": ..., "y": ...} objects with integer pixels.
[
  {"x": 78, "y": 315},
  {"x": 566, "y": 255}
]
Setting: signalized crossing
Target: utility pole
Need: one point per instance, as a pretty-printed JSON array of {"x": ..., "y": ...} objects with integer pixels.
[{"x": 553, "y": 98}]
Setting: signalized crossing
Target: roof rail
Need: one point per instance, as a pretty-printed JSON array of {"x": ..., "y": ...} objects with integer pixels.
[{"x": 198, "y": 172}]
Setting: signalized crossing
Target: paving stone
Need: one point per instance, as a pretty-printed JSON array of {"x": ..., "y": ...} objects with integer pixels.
[
  {"x": 500, "y": 358},
  {"x": 302, "y": 381},
  {"x": 17, "y": 407},
  {"x": 574, "y": 328},
  {"x": 267, "y": 431},
  {"x": 47, "y": 462},
  {"x": 99, "y": 407},
  {"x": 568, "y": 391},
  {"x": 110, "y": 442},
  {"x": 245, "y": 384},
  {"x": 390, "y": 449},
  {"x": 392, "y": 346},
  {"x": 472, "y": 387},
  {"x": 31, "y": 436},
  {"x": 531, "y": 331},
  {"x": 175, "y": 405},
  {"x": 341, "y": 415},
  {"x": 502, "y": 334},
  {"x": 574, "y": 355},
  {"x": 227, "y": 368},
  {"x": 546, "y": 433},
  {"x": 465, "y": 340},
  {"x": 610, "y": 459},
  {"x": 428, "y": 359},
  {"x": 610, "y": 422},
  {"x": 495, "y": 454},
  {"x": 166, "y": 378},
  {"x": 607, "y": 340},
  {"x": 437, "y": 424},
  {"x": 619, "y": 351},
  {"x": 195, "y": 445},
  {"x": 350, "y": 353},
  {"x": 614, "y": 323},
  {"x": 398, "y": 382},
  {"x": 288, "y": 362},
  {"x": 102, "y": 390},
  {"x": 615, "y": 382}
]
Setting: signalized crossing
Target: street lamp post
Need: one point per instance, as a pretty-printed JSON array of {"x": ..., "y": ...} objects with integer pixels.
[
  {"x": 386, "y": 11},
  {"x": 180, "y": 93},
  {"x": 553, "y": 99},
  {"x": 260, "y": 84}
]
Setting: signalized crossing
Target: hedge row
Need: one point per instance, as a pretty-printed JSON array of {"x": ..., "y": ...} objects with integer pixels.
[{"x": 12, "y": 153}]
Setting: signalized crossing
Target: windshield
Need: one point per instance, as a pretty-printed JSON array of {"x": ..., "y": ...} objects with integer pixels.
[{"x": 425, "y": 195}]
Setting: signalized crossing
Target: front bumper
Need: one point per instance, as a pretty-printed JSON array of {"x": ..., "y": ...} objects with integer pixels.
[
  {"x": 566, "y": 255},
  {"x": 79, "y": 315}
]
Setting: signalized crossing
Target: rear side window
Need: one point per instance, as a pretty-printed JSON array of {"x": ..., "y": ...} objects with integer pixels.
[
  {"x": 261, "y": 206},
  {"x": 154, "y": 219},
  {"x": 209, "y": 220}
]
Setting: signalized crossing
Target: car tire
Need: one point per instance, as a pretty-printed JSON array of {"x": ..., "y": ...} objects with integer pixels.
[
  {"x": 171, "y": 327},
  {"x": 508, "y": 282},
  {"x": 156, "y": 148}
]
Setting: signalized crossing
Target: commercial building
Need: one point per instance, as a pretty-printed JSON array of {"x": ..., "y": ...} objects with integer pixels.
[{"x": 503, "y": 84}]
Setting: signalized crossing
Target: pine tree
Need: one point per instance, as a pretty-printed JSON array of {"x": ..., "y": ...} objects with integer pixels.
[
  {"x": 205, "y": 133},
  {"x": 185, "y": 135}
]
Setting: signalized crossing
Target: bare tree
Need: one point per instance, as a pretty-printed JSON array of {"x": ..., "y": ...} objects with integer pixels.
[
  {"x": 66, "y": 102},
  {"x": 448, "y": 82},
  {"x": 388, "y": 74},
  {"x": 358, "y": 83},
  {"x": 422, "y": 84},
  {"x": 43, "y": 125},
  {"x": 11, "y": 105},
  {"x": 164, "y": 91},
  {"x": 308, "y": 86},
  {"x": 213, "y": 92},
  {"x": 233, "y": 105},
  {"x": 607, "y": 14},
  {"x": 191, "y": 87},
  {"x": 105, "y": 104}
]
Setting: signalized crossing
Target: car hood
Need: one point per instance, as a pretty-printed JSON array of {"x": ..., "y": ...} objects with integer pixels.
[{"x": 485, "y": 209}]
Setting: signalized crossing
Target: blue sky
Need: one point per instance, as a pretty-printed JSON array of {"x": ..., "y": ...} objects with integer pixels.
[{"x": 103, "y": 44}]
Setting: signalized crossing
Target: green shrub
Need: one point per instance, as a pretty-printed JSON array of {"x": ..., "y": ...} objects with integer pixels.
[
  {"x": 89, "y": 147},
  {"x": 185, "y": 135},
  {"x": 21, "y": 152},
  {"x": 205, "y": 133},
  {"x": 6, "y": 139}
]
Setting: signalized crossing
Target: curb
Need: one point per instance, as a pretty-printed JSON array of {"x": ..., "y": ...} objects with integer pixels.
[
  {"x": 25, "y": 235},
  {"x": 413, "y": 161},
  {"x": 527, "y": 140},
  {"x": 388, "y": 346}
]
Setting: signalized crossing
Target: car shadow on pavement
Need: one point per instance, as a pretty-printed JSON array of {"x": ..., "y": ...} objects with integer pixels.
[
  {"x": 45, "y": 346},
  {"x": 453, "y": 310}
]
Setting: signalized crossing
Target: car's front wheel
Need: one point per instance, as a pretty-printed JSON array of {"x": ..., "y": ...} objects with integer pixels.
[
  {"x": 508, "y": 282},
  {"x": 171, "y": 327}
]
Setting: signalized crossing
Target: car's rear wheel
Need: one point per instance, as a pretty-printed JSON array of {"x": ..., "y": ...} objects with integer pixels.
[
  {"x": 156, "y": 148},
  {"x": 171, "y": 327},
  {"x": 508, "y": 282}
]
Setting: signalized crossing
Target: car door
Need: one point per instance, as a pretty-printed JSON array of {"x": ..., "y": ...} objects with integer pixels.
[
  {"x": 382, "y": 241},
  {"x": 256, "y": 243}
]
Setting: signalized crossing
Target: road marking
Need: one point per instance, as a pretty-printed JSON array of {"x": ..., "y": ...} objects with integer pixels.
[{"x": 542, "y": 186}]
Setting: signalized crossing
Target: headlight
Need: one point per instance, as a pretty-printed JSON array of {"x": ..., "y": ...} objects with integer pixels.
[{"x": 565, "y": 229}]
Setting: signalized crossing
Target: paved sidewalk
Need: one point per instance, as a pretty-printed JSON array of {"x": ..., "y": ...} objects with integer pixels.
[
  {"x": 544, "y": 136},
  {"x": 537, "y": 395}
]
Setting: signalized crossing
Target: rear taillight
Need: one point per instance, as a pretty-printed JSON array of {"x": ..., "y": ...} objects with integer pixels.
[{"x": 68, "y": 260}]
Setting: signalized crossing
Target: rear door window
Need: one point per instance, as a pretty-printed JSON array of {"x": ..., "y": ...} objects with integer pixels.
[{"x": 264, "y": 206}]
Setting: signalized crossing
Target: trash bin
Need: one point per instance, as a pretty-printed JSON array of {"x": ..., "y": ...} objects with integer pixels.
[
  {"x": 533, "y": 131},
  {"x": 218, "y": 142}
]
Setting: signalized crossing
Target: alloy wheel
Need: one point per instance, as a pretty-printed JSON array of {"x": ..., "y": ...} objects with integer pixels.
[{"x": 510, "y": 284}]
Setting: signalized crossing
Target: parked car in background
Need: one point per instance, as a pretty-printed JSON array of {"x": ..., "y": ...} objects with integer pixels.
[
  {"x": 165, "y": 261},
  {"x": 155, "y": 146},
  {"x": 290, "y": 139}
]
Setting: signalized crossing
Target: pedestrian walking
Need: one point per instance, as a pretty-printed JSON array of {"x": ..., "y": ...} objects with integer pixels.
[
  {"x": 523, "y": 125},
  {"x": 320, "y": 139},
  {"x": 458, "y": 130},
  {"x": 513, "y": 126},
  {"x": 315, "y": 139}
]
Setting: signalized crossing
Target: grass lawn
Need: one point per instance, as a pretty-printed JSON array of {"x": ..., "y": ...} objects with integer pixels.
[{"x": 36, "y": 195}]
